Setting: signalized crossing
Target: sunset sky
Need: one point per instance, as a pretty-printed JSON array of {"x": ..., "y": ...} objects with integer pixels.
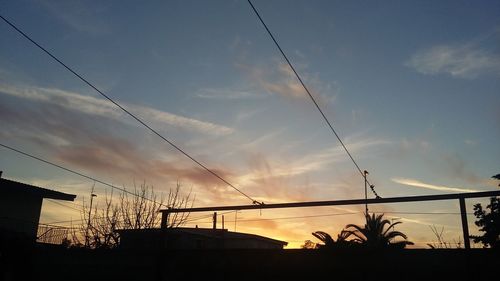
[{"x": 412, "y": 88}]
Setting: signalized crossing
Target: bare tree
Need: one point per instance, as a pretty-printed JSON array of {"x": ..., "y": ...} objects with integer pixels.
[
  {"x": 138, "y": 209},
  {"x": 440, "y": 242}
]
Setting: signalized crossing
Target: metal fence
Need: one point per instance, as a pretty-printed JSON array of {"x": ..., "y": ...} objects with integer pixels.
[{"x": 51, "y": 234}]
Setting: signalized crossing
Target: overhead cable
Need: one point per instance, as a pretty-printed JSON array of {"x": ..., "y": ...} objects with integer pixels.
[
  {"x": 126, "y": 111},
  {"x": 310, "y": 95}
]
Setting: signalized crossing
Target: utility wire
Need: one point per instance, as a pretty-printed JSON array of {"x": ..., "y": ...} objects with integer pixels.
[
  {"x": 78, "y": 173},
  {"x": 208, "y": 216},
  {"x": 281, "y": 218},
  {"x": 69, "y": 202},
  {"x": 291, "y": 218},
  {"x": 309, "y": 93},
  {"x": 66, "y": 221},
  {"x": 61, "y": 204},
  {"x": 18, "y": 220},
  {"x": 425, "y": 213},
  {"x": 336, "y": 214},
  {"x": 128, "y": 112}
]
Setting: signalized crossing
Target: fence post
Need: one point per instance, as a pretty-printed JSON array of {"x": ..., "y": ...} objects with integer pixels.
[
  {"x": 465, "y": 225},
  {"x": 214, "y": 226},
  {"x": 164, "y": 218}
]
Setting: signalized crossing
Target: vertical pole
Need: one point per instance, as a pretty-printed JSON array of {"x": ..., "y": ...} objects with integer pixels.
[
  {"x": 164, "y": 218},
  {"x": 235, "y": 219},
  {"x": 465, "y": 225},
  {"x": 215, "y": 221},
  {"x": 87, "y": 238},
  {"x": 366, "y": 194},
  {"x": 222, "y": 221}
]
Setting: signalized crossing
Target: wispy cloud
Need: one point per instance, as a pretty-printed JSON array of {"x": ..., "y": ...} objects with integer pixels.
[
  {"x": 226, "y": 94},
  {"x": 417, "y": 183},
  {"x": 279, "y": 79},
  {"x": 181, "y": 121},
  {"x": 77, "y": 15},
  {"x": 120, "y": 157},
  {"x": 96, "y": 147},
  {"x": 322, "y": 159},
  {"x": 255, "y": 143},
  {"x": 288, "y": 85},
  {"x": 115, "y": 153},
  {"x": 456, "y": 61},
  {"x": 467, "y": 60},
  {"x": 470, "y": 142},
  {"x": 101, "y": 107},
  {"x": 276, "y": 173}
]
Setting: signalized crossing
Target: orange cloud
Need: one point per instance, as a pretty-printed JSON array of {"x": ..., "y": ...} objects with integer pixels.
[{"x": 279, "y": 79}]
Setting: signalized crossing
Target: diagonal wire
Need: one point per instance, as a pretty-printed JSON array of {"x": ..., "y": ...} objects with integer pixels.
[
  {"x": 126, "y": 111},
  {"x": 309, "y": 94},
  {"x": 61, "y": 204}
]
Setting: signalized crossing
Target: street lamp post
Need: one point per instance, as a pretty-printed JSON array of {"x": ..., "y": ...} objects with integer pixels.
[{"x": 87, "y": 239}]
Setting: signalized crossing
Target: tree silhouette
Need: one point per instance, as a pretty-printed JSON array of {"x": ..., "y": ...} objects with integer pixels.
[
  {"x": 308, "y": 244},
  {"x": 374, "y": 234},
  {"x": 489, "y": 222},
  {"x": 139, "y": 211},
  {"x": 329, "y": 242},
  {"x": 497, "y": 176}
]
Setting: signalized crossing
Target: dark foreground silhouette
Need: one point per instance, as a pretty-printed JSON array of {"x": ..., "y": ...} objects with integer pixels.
[{"x": 56, "y": 263}]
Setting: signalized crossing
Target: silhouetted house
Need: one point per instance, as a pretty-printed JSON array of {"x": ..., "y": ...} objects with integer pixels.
[
  {"x": 20, "y": 206},
  {"x": 194, "y": 238}
]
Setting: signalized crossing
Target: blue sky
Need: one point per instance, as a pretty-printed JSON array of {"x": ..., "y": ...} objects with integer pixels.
[{"x": 411, "y": 86}]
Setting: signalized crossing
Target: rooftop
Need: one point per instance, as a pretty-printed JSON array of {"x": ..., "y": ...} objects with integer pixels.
[
  {"x": 207, "y": 232},
  {"x": 15, "y": 186}
]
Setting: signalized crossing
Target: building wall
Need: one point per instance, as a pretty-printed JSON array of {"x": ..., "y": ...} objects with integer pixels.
[{"x": 20, "y": 213}]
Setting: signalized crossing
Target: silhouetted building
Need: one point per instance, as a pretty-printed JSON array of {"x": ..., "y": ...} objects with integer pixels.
[
  {"x": 194, "y": 238},
  {"x": 20, "y": 206}
]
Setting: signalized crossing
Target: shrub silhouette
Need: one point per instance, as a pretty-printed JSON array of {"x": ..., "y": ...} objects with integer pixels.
[
  {"x": 329, "y": 242},
  {"x": 489, "y": 222},
  {"x": 373, "y": 234}
]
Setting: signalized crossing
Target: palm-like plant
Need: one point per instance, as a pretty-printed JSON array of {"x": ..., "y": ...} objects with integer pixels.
[
  {"x": 329, "y": 242},
  {"x": 374, "y": 234}
]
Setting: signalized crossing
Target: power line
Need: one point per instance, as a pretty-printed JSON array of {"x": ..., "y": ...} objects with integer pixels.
[
  {"x": 310, "y": 95},
  {"x": 425, "y": 213},
  {"x": 81, "y": 220},
  {"x": 18, "y": 220},
  {"x": 284, "y": 218},
  {"x": 208, "y": 216},
  {"x": 128, "y": 112},
  {"x": 69, "y": 202},
  {"x": 301, "y": 217},
  {"x": 82, "y": 175},
  {"x": 66, "y": 221},
  {"x": 297, "y": 217},
  {"x": 61, "y": 204},
  {"x": 78, "y": 173},
  {"x": 335, "y": 214}
]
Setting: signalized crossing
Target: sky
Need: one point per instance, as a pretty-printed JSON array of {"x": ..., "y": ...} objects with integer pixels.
[{"x": 411, "y": 87}]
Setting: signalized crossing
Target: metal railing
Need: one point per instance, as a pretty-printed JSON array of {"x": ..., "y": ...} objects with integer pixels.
[{"x": 51, "y": 234}]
